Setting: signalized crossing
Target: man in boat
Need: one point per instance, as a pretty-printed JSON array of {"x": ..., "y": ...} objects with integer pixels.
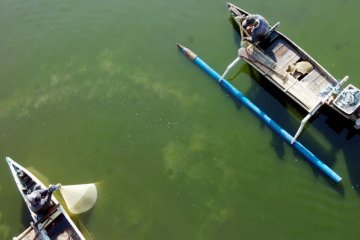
[
  {"x": 40, "y": 199},
  {"x": 256, "y": 27}
]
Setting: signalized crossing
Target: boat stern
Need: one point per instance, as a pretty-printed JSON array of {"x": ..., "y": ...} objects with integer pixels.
[
  {"x": 229, "y": 5},
  {"x": 348, "y": 103}
]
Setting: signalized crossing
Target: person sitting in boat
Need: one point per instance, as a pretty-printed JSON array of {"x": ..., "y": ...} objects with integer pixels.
[
  {"x": 256, "y": 27},
  {"x": 40, "y": 199}
]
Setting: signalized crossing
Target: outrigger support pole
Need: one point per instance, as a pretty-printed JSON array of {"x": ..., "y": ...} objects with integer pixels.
[
  {"x": 228, "y": 68},
  {"x": 304, "y": 121},
  {"x": 323, "y": 100},
  {"x": 242, "y": 33}
]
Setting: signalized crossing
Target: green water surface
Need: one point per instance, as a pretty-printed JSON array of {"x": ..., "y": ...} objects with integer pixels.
[{"x": 96, "y": 91}]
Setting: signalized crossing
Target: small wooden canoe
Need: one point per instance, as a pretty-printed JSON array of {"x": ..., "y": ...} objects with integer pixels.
[
  {"x": 55, "y": 223},
  {"x": 282, "y": 62}
]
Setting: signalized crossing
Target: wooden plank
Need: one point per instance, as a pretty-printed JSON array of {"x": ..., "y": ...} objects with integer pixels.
[
  {"x": 61, "y": 229},
  {"x": 285, "y": 56},
  {"x": 280, "y": 52},
  {"x": 304, "y": 95},
  {"x": 319, "y": 84},
  {"x": 325, "y": 84},
  {"x": 290, "y": 58},
  {"x": 265, "y": 65},
  {"x": 310, "y": 77},
  {"x": 282, "y": 83},
  {"x": 275, "y": 46}
]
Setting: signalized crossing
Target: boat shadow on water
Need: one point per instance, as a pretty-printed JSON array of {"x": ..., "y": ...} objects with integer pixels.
[
  {"x": 338, "y": 132},
  {"x": 276, "y": 107},
  {"x": 344, "y": 139}
]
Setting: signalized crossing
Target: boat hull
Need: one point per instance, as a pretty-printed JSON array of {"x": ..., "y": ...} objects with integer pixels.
[
  {"x": 279, "y": 60},
  {"x": 54, "y": 223}
]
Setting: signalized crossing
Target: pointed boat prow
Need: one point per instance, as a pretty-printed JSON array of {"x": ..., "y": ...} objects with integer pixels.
[
  {"x": 8, "y": 160},
  {"x": 229, "y": 4}
]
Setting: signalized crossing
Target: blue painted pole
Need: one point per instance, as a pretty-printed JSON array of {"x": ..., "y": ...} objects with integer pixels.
[{"x": 260, "y": 114}]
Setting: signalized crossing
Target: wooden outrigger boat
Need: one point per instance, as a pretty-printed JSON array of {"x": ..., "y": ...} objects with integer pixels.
[
  {"x": 259, "y": 113},
  {"x": 55, "y": 223},
  {"x": 278, "y": 59}
]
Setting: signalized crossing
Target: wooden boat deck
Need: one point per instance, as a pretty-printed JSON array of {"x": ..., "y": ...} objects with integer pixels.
[{"x": 273, "y": 58}]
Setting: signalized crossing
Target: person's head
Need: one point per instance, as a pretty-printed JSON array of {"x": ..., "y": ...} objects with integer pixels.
[
  {"x": 34, "y": 198},
  {"x": 250, "y": 21}
]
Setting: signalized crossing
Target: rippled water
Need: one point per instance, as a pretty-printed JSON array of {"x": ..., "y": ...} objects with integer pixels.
[{"x": 96, "y": 91}]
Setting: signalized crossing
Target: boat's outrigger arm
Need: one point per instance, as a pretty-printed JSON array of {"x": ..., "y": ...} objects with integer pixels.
[
  {"x": 323, "y": 100},
  {"x": 242, "y": 33},
  {"x": 228, "y": 68},
  {"x": 304, "y": 121}
]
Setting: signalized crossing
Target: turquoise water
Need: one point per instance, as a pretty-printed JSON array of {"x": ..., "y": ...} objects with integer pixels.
[{"x": 96, "y": 91}]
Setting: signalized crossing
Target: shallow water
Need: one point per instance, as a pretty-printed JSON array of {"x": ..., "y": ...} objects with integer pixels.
[{"x": 96, "y": 91}]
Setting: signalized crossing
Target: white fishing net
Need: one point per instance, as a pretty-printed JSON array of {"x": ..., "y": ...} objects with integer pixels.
[{"x": 79, "y": 198}]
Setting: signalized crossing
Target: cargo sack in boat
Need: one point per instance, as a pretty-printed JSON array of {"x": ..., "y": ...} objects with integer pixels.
[{"x": 300, "y": 68}]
